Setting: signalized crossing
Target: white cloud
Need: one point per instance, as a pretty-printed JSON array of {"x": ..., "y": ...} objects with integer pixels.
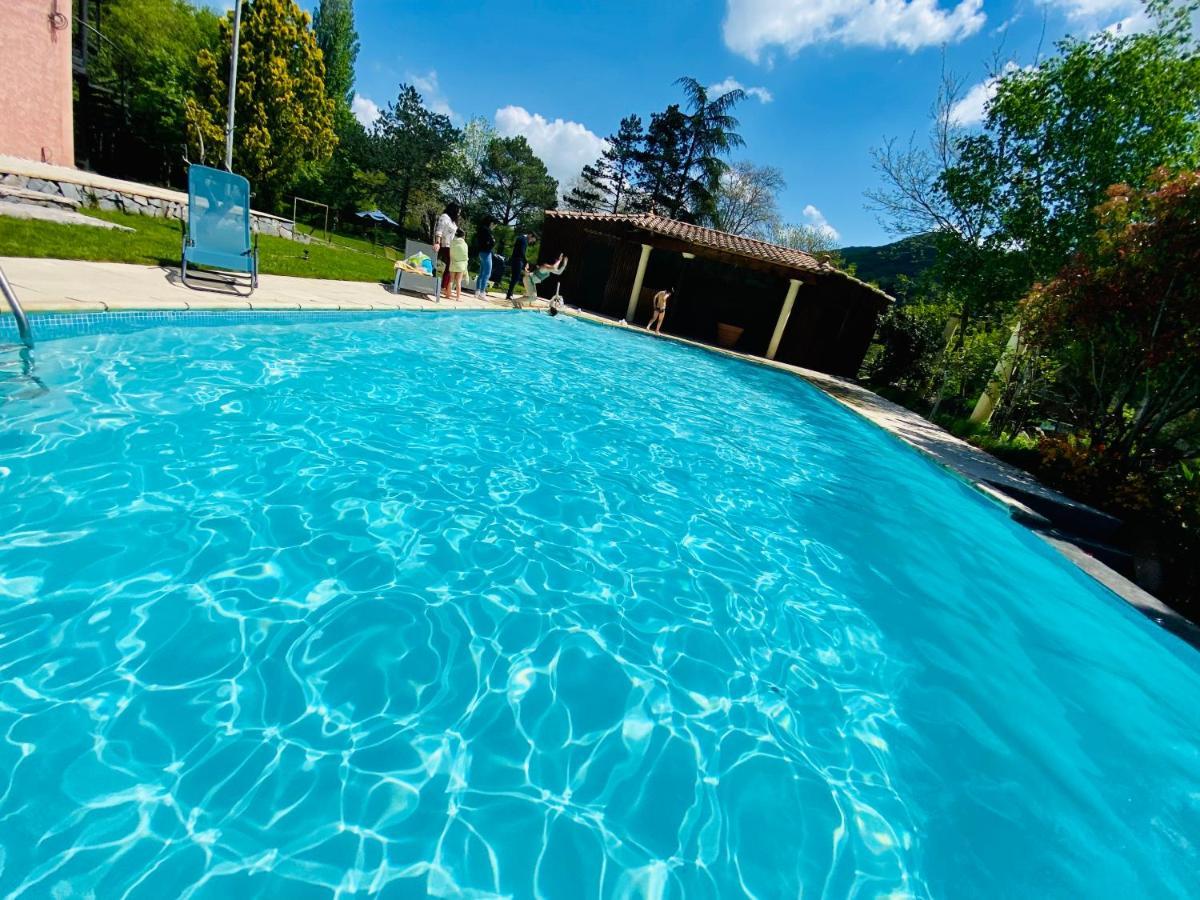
[
  {"x": 817, "y": 220},
  {"x": 752, "y": 26},
  {"x": 1007, "y": 23},
  {"x": 365, "y": 109},
  {"x": 1123, "y": 16},
  {"x": 565, "y": 147},
  {"x": 972, "y": 108},
  {"x": 1094, "y": 9},
  {"x": 431, "y": 92},
  {"x": 1138, "y": 21},
  {"x": 732, "y": 84}
]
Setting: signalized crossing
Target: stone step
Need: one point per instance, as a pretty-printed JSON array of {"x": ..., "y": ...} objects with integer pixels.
[
  {"x": 11, "y": 194},
  {"x": 1073, "y": 518}
]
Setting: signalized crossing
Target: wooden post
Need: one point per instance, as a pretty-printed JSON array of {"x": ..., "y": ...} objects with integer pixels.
[
  {"x": 784, "y": 314},
  {"x": 637, "y": 283}
]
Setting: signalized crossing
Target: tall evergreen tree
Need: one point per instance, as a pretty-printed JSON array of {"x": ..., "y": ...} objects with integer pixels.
[
  {"x": 333, "y": 25},
  {"x": 607, "y": 184},
  {"x": 415, "y": 148},
  {"x": 517, "y": 186},
  {"x": 710, "y": 136},
  {"x": 659, "y": 176}
]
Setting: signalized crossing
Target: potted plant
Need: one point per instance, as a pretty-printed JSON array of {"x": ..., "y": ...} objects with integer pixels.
[
  {"x": 728, "y": 335},
  {"x": 730, "y": 325}
]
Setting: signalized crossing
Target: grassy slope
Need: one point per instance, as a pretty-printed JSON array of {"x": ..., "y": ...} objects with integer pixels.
[{"x": 157, "y": 242}]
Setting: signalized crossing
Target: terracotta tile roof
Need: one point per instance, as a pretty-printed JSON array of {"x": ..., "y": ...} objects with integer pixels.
[{"x": 716, "y": 240}]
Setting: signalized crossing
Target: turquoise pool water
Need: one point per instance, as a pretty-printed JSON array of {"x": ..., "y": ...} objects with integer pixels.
[{"x": 510, "y": 605}]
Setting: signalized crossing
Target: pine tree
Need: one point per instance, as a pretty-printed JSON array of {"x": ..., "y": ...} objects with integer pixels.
[
  {"x": 517, "y": 186},
  {"x": 414, "y": 149},
  {"x": 607, "y": 185},
  {"x": 588, "y": 193},
  {"x": 659, "y": 176}
]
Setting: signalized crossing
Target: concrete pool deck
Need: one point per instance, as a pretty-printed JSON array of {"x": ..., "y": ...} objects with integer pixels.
[
  {"x": 65, "y": 286},
  {"x": 48, "y": 285}
]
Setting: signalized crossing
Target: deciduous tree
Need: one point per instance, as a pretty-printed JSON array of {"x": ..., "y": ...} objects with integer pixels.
[
  {"x": 284, "y": 119},
  {"x": 1009, "y": 203},
  {"x": 746, "y": 200},
  {"x": 1109, "y": 109},
  {"x": 812, "y": 239},
  {"x": 466, "y": 180},
  {"x": 147, "y": 62},
  {"x": 1121, "y": 324},
  {"x": 1012, "y": 201}
]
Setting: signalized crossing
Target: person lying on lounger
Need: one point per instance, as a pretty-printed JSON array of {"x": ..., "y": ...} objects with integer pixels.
[{"x": 536, "y": 275}]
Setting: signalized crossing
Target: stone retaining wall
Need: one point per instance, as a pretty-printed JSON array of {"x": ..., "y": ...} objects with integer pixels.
[{"x": 151, "y": 201}]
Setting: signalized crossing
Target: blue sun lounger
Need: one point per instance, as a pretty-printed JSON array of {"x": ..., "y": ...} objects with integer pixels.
[{"x": 218, "y": 234}]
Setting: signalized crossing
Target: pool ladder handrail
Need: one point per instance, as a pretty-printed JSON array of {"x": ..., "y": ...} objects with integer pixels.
[{"x": 18, "y": 313}]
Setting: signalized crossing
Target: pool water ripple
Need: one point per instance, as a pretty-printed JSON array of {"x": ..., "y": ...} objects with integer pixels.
[{"x": 512, "y": 606}]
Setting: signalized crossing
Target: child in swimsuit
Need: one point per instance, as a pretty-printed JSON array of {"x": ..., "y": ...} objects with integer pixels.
[
  {"x": 660, "y": 310},
  {"x": 534, "y": 277}
]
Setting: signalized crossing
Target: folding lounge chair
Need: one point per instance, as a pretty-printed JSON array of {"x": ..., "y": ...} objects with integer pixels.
[
  {"x": 218, "y": 233},
  {"x": 411, "y": 281}
]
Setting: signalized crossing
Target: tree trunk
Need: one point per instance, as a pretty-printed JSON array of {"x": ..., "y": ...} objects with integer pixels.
[
  {"x": 688, "y": 161},
  {"x": 404, "y": 201}
]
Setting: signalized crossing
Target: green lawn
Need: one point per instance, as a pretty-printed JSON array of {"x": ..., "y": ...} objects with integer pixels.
[
  {"x": 364, "y": 245},
  {"x": 157, "y": 242}
]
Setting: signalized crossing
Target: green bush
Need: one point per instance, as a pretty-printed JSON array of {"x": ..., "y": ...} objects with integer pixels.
[{"x": 907, "y": 345}]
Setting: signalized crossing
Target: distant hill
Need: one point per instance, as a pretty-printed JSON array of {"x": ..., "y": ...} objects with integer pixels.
[{"x": 884, "y": 265}]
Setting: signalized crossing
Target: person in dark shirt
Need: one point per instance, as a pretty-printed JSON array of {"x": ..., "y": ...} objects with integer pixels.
[
  {"x": 485, "y": 243},
  {"x": 516, "y": 262}
]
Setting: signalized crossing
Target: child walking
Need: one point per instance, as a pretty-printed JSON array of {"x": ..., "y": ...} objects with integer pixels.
[{"x": 458, "y": 263}]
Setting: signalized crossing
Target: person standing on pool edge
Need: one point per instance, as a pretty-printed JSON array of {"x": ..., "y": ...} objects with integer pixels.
[
  {"x": 660, "y": 310},
  {"x": 443, "y": 234},
  {"x": 485, "y": 245},
  {"x": 516, "y": 264},
  {"x": 459, "y": 254}
]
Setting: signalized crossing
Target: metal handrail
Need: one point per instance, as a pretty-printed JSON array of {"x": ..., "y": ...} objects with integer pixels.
[{"x": 17, "y": 311}]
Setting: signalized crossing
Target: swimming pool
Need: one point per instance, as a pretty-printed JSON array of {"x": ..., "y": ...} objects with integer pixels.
[{"x": 501, "y": 604}]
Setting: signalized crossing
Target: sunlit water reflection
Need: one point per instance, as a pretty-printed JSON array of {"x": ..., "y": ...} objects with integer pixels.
[{"x": 506, "y": 605}]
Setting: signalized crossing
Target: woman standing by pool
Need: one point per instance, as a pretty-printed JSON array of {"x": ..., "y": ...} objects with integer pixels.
[
  {"x": 485, "y": 244},
  {"x": 443, "y": 233}
]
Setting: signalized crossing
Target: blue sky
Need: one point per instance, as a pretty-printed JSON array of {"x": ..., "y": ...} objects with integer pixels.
[{"x": 835, "y": 76}]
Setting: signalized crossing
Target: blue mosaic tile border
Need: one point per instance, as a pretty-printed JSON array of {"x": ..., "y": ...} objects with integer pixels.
[{"x": 50, "y": 325}]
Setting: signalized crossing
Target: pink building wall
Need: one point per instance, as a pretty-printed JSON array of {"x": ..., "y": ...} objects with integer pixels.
[{"x": 36, "y": 120}]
